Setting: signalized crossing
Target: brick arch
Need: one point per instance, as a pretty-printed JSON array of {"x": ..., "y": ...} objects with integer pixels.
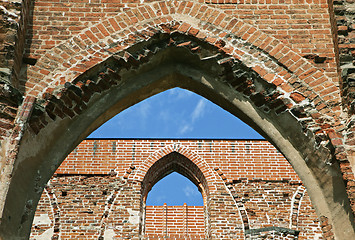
[
  {"x": 201, "y": 174},
  {"x": 70, "y": 107},
  {"x": 310, "y": 142},
  {"x": 301, "y": 87},
  {"x": 180, "y": 158},
  {"x": 144, "y": 167},
  {"x": 113, "y": 35},
  {"x": 175, "y": 162}
]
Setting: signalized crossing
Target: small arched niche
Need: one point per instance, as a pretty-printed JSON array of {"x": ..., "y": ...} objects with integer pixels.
[{"x": 173, "y": 221}]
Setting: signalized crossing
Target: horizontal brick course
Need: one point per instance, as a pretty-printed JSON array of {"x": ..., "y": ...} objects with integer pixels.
[
  {"x": 249, "y": 187},
  {"x": 252, "y": 159}
]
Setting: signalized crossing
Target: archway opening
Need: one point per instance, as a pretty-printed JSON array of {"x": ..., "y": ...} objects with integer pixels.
[
  {"x": 183, "y": 68},
  {"x": 175, "y": 113},
  {"x": 176, "y": 221},
  {"x": 174, "y": 190},
  {"x": 158, "y": 172},
  {"x": 179, "y": 214},
  {"x": 188, "y": 125}
]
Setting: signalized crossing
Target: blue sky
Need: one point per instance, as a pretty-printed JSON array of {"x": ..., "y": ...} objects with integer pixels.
[
  {"x": 175, "y": 113},
  {"x": 184, "y": 191}
]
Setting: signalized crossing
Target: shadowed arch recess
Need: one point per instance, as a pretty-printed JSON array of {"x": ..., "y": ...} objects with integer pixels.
[
  {"x": 173, "y": 55},
  {"x": 185, "y": 192}
]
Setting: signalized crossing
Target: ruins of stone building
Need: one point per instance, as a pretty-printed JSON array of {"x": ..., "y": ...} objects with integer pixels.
[
  {"x": 285, "y": 67},
  {"x": 249, "y": 189}
]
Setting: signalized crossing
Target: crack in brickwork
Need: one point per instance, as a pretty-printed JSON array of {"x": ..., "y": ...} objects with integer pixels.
[{"x": 108, "y": 208}]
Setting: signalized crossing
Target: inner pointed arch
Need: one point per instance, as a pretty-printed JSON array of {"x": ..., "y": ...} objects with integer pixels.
[
  {"x": 174, "y": 190},
  {"x": 175, "y": 162}
]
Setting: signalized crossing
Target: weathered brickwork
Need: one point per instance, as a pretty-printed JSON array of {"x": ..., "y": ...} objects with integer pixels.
[
  {"x": 285, "y": 67},
  {"x": 14, "y": 20},
  {"x": 301, "y": 25},
  {"x": 95, "y": 192},
  {"x": 176, "y": 222},
  {"x": 344, "y": 16}
]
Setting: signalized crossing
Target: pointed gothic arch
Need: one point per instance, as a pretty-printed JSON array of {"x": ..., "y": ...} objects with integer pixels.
[
  {"x": 115, "y": 67},
  {"x": 176, "y": 162},
  {"x": 182, "y": 160},
  {"x": 175, "y": 158}
]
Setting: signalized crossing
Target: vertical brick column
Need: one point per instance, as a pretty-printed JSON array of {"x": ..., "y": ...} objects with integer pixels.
[
  {"x": 185, "y": 220},
  {"x": 165, "y": 220}
]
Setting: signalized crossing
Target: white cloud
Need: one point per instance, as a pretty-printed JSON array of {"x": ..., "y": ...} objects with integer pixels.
[
  {"x": 165, "y": 115},
  {"x": 185, "y": 128},
  {"x": 143, "y": 109},
  {"x": 189, "y": 191},
  {"x": 199, "y": 110}
]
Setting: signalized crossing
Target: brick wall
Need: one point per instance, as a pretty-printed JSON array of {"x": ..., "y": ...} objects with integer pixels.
[
  {"x": 344, "y": 19},
  {"x": 256, "y": 159},
  {"x": 97, "y": 193},
  {"x": 282, "y": 57},
  {"x": 175, "y": 222},
  {"x": 14, "y": 18},
  {"x": 303, "y": 26}
]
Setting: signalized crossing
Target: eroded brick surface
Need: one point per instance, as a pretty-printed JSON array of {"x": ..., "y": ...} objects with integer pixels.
[
  {"x": 97, "y": 192},
  {"x": 292, "y": 61}
]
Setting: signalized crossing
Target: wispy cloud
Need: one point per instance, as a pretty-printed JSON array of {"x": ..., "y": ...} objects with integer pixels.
[
  {"x": 199, "y": 110},
  {"x": 189, "y": 191},
  {"x": 130, "y": 117},
  {"x": 185, "y": 128},
  {"x": 143, "y": 109}
]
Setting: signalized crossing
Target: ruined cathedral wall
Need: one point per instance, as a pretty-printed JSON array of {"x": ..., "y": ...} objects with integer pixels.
[
  {"x": 304, "y": 26},
  {"x": 284, "y": 66},
  {"x": 93, "y": 194}
]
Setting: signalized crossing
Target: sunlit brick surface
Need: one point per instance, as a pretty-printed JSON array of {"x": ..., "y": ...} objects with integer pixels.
[{"x": 252, "y": 190}]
